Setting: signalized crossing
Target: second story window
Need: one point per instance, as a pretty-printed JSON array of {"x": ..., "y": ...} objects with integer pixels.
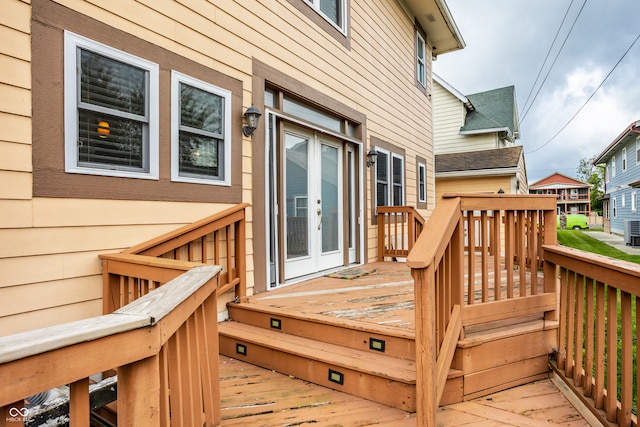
[
  {"x": 613, "y": 167},
  {"x": 332, "y": 10},
  {"x": 421, "y": 60},
  {"x": 638, "y": 150},
  {"x": 624, "y": 159}
]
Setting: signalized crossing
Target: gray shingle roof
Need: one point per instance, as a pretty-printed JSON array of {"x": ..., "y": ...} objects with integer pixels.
[
  {"x": 479, "y": 160},
  {"x": 493, "y": 109}
]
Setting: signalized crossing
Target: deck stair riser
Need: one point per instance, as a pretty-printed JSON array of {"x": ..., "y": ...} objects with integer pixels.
[
  {"x": 503, "y": 357},
  {"x": 388, "y": 340},
  {"x": 377, "y": 377}
]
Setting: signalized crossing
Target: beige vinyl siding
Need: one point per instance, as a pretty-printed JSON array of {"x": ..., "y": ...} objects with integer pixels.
[
  {"x": 489, "y": 184},
  {"x": 50, "y": 246}
]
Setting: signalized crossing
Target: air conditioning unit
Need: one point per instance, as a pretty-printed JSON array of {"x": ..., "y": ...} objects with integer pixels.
[{"x": 632, "y": 232}]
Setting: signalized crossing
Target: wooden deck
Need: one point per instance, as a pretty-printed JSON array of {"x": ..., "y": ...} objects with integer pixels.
[
  {"x": 252, "y": 396},
  {"x": 376, "y": 296}
]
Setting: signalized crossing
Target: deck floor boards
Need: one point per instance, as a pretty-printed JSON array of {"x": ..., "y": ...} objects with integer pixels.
[
  {"x": 252, "y": 396},
  {"x": 378, "y": 294}
]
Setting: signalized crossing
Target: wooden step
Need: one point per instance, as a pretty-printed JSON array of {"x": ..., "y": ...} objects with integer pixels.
[
  {"x": 502, "y": 357},
  {"x": 388, "y": 340},
  {"x": 374, "y": 376}
]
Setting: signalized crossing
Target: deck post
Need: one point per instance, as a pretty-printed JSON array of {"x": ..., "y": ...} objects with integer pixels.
[
  {"x": 425, "y": 312},
  {"x": 139, "y": 393}
]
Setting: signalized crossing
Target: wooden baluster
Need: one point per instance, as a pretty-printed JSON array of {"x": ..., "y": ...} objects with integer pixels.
[
  {"x": 240, "y": 255},
  {"x": 562, "y": 329},
  {"x": 509, "y": 250},
  {"x": 598, "y": 394},
  {"x": 496, "y": 246},
  {"x": 577, "y": 372},
  {"x": 484, "y": 241},
  {"x": 589, "y": 345},
  {"x": 571, "y": 316},
  {"x": 471, "y": 266},
  {"x": 139, "y": 393},
  {"x": 79, "y": 408},
  {"x": 522, "y": 252},
  {"x": 626, "y": 391},
  {"x": 611, "y": 402}
]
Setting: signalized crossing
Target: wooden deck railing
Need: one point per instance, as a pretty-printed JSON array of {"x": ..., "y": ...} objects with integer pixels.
[
  {"x": 503, "y": 234},
  {"x": 598, "y": 297},
  {"x": 398, "y": 230},
  {"x": 164, "y": 346},
  {"x": 216, "y": 240}
]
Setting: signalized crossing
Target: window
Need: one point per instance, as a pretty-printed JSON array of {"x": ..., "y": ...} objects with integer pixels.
[
  {"x": 111, "y": 111},
  {"x": 422, "y": 183},
  {"x": 638, "y": 149},
  {"x": 421, "y": 60},
  {"x": 624, "y": 159},
  {"x": 606, "y": 173},
  {"x": 332, "y": 10},
  {"x": 623, "y": 197},
  {"x": 389, "y": 179},
  {"x": 200, "y": 137},
  {"x": 613, "y": 167},
  {"x": 634, "y": 202},
  {"x": 614, "y": 208}
]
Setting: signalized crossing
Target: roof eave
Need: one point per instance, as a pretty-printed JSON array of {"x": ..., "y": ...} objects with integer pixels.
[
  {"x": 492, "y": 130},
  {"x": 436, "y": 19},
  {"x": 604, "y": 155}
]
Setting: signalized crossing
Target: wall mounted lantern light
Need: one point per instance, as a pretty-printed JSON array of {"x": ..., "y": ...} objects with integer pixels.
[
  {"x": 372, "y": 156},
  {"x": 252, "y": 116}
]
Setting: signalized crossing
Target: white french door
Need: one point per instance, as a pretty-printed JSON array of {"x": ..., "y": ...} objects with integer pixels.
[{"x": 313, "y": 220}]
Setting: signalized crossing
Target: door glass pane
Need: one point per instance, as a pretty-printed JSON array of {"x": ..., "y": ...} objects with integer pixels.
[
  {"x": 296, "y": 192},
  {"x": 329, "y": 164},
  {"x": 382, "y": 183}
]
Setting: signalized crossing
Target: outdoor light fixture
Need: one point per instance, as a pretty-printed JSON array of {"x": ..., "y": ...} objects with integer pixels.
[
  {"x": 252, "y": 116},
  {"x": 372, "y": 156}
]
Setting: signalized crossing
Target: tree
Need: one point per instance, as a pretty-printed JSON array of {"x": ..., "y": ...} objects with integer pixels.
[{"x": 594, "y": 175}]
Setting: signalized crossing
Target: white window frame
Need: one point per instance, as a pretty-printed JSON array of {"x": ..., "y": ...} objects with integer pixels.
[
  {"x": 623, "y": 198},
  {"x": 315, "y": 4},
  {"x": 613, "y": 166},
  {"x": 176, "y": 79},
  {"x": 421, "y": 62},
  {"x": 393, "y": 184},
  {"x": 389, "y": 183},
  {"x": 624, "y": 159},
  {"x": 422, "y": 182},
  {"x": 614, "y": 208},
  {"x": 638, "y": 150},
  {"x": 634, "y": 202},
  {"x": 74, "y": 41}
]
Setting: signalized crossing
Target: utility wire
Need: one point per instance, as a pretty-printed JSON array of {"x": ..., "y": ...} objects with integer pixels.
[
  {"x": 547, "y": 57},
  {"x": 588, "y": 99},
  {"x": 554, "y": 61}
]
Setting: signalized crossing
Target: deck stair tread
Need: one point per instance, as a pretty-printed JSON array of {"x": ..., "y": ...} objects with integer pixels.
[
  {"x": 488, "y": 335},
  {"x": 319, "y": 318},
  {"x": 379, "y": 365}
]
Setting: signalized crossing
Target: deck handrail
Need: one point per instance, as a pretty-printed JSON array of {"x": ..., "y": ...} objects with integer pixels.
[
  {"x": 505, "y": 232},
  {"x": 596, "y": 292},
  {"x": 165, "y": 340},
  {"x": 219, "y": 239},
  {"x": 398, "y": 230}
]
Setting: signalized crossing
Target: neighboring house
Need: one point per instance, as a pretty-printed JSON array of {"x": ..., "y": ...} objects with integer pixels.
[
  {"x": 474, "y": 141},
  {"x": 574, "y": 197},
  {"x": 124, "y": 120},
  {"x": 621, "y": 162}
]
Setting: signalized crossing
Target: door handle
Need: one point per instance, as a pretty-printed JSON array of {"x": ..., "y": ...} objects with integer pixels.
[{"x": 319, "y": 212}]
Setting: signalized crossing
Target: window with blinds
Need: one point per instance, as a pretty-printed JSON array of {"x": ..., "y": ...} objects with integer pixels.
[
  {"x": 111, "y": 111},
  {"x": 201, "y": 122}
]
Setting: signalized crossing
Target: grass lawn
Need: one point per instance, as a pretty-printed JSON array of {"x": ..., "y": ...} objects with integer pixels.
[{"x": 581, "y": 240}]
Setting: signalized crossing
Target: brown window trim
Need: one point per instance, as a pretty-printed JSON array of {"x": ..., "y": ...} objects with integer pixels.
[
  {"x": 418, "y": 30},
  {"x": 317, "y": 19},
  {"x": 49, "y": 20}
]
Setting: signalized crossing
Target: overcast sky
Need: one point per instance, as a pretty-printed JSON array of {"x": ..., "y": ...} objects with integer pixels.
[{"x": 506, "y": 45}]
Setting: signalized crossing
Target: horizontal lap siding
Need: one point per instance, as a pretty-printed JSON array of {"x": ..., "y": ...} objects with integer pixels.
[{"x": 55, "y": 242}]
